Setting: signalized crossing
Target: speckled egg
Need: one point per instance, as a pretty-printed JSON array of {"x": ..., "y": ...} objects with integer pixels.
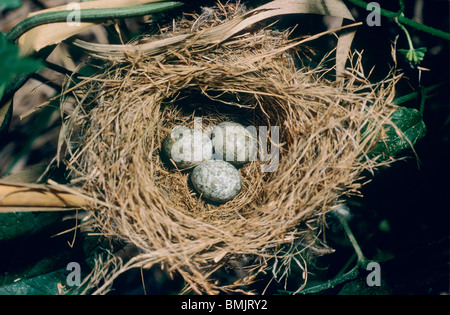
[
  {"x": 216, "y": 180},
  {"x": 233, "y": 143},
  {"x": 187, "y": 147}
]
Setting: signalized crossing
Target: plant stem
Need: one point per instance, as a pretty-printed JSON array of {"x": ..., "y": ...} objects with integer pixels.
[
  {"x": 425, "y": 91},
  {"x": 46, "y": 81},
  {"x": 361, "y": 260},
  {"x": 402, "y": 6},
  {"x": 408, "y": 37},
  {"x": 88, "y": 15},
  {"x": 58, "y": 68},
  {"x": 423, "y": 97},
  {"x": 352, "y": 274},
  {"x": 405, "y": 21}
]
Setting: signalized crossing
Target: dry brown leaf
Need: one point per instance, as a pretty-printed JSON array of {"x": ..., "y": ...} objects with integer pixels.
[
  {"x": 38, "y": 196},
  {"x": 220, "y": 33},
  {"x": 18, "y": 193},
  {"x": 50, "y": 34}
]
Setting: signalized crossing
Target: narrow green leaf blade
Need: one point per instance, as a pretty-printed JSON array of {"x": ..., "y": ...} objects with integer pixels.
[{"x": 5, "y": 116}]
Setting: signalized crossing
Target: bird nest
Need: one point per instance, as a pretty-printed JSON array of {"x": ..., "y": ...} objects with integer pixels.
[{"x": 314, "y": 137}]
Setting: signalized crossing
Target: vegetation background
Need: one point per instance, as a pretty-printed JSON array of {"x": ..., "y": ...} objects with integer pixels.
[{"x": 402, "y": 220}]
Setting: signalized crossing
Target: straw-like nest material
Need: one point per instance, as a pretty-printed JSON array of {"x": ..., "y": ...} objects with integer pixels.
[{"x": 325, "y": 129}]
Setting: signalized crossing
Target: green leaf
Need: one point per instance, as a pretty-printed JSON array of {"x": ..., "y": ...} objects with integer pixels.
[
  {"x": 20, "y": 224},
  {"x": 410, "y": 128},
  {"x": 46, "y": 284},
  {"x": 10, "y": 4},
  {"x": 12, "y": 64},
  {"x": 359, "y": 286}
]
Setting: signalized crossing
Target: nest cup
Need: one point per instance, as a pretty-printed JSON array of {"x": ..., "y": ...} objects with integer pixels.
[{"x": 314, "y": 136}]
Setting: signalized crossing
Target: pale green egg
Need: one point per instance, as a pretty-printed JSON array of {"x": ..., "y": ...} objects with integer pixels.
[
  {"x": 187, "y": 147},
  {"x": 216, "y": 180},
  {"x": 234, "y": 143}
]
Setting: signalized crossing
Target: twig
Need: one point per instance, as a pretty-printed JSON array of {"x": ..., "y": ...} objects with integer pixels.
[
  {"x": 58, "y": 68},
  {"x": 352, "y": 274},
  {"x": 46, "y": 81}
]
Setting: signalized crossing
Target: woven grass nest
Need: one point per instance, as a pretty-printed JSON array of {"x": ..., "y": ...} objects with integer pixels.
[{"x": 326, "y": 129}]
